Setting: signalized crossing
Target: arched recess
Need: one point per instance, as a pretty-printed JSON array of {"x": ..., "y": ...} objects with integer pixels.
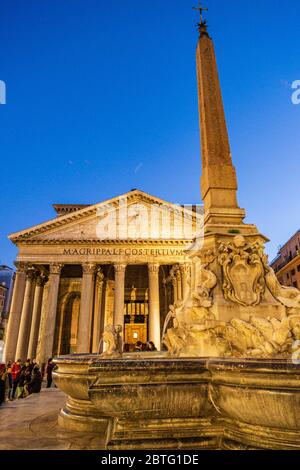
[{"x": 70, "y": 309}]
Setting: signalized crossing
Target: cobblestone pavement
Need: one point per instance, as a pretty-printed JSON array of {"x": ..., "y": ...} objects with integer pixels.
[{"x": 31, "y": 424}]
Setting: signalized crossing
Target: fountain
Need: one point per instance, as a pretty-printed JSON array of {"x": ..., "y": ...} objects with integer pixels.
[{"x": 230, "y": 378}]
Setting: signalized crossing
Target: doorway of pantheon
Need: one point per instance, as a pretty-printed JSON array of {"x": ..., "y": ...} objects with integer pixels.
[{"x": 136, "y": 308}]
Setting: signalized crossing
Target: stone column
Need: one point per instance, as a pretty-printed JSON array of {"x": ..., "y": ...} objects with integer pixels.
[
  {"x": 166, "y": 304},
  {"x": 120, "y": 270},
  {"x": 48, "y": 321},
  {"x": 98, "y": 310},
  {"x": 36, "y": 314},
  {"x": 179, "y": 284},
  {"x": 25, "y": 325},
  {"x": 174, "y": 284},
  {"x": 86, "y": 309},
  {"x": 185, "y": 270},
  {"x": 11, "y": 334},
  {"x": 194, "y": 274},
  {"x": 154, "y": 307}
]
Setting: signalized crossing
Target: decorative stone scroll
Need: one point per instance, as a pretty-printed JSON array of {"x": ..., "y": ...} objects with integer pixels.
[
  {"x": 206, "y": 282},
  {"x": 243, "y": 271}
]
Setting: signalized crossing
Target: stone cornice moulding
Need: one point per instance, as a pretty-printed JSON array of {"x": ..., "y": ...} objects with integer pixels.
[
  {"x": 96, "y": 241},
  {"x": 135, "y": 196}
]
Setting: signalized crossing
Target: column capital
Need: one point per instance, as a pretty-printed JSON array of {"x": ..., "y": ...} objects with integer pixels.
[
  {"x": 21, "y": 266},
  {"x": 153, "y": 268},
  {"x": 30, "y": 272},
  {"x": 88, "y": 268},
  {"x": 55, "y": 268},
  {"x": 42, "y": 279},
  {"x": 120, "y": 267},
  {"x": 185, "y": 268}
]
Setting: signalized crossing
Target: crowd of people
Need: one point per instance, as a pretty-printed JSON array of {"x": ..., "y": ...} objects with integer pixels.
[{"x": 20, "y": 379}]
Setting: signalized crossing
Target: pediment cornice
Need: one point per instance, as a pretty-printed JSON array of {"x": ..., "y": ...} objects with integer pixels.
[{"x": 132, "y": 197}]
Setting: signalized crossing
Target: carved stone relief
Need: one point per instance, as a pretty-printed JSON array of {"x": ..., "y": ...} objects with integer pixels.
[{"x": 243, "y": 271}]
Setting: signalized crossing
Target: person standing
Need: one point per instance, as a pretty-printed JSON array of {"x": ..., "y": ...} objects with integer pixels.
[
  {"x": 27, "y": 380},
  {"x": 30, "y": 365},
  {"x": 49, "y": 369},
  {"x": 21, "y": 381},
  {"x": 15, "y": 373}
]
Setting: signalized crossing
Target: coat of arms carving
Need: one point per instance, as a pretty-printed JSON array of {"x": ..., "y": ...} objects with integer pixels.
[{"x": 243, "y": 271}]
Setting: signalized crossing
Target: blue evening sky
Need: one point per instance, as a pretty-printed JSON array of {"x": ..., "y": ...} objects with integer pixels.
[{"x": 102, "y": 98}]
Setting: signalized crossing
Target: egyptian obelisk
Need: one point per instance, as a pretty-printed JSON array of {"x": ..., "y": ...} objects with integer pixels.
[{"x": 232, "y": 253}]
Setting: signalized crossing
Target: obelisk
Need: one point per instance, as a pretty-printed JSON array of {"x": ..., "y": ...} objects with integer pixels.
[
  {"x": 236, "y": 307},
  {"x": 240, "y": 286},
  {"x": 218, "y": 182}
]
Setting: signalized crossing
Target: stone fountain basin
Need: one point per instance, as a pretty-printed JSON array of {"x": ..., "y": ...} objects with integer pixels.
[
  {"x": 152, "y": 400},
  {"x": 258, "y": 392}
]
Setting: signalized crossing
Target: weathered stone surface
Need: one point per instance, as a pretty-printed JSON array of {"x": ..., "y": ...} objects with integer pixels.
[{"x": 150, "y": 401}]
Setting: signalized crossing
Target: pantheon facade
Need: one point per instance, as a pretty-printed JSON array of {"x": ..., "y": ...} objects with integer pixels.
[{"x": 123, "y": 262}]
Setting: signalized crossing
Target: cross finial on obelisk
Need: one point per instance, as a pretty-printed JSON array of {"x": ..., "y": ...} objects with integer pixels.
[{"x": 201, "y": 9}]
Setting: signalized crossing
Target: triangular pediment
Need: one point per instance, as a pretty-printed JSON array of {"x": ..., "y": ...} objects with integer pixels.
[{"x": 135, "y": 215}]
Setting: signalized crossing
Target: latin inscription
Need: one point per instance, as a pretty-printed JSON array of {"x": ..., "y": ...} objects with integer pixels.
[{"x": 122, "y": 252}]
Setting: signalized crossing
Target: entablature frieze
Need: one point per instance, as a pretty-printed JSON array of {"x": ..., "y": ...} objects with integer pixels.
[{"x": 163, "y": 252}]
